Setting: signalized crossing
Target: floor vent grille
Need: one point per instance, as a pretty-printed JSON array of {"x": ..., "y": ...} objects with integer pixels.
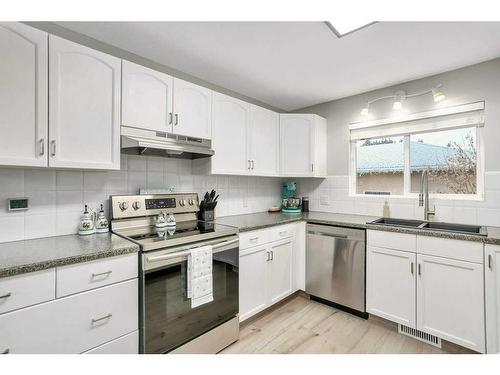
[{"x": 419, "y": 335}]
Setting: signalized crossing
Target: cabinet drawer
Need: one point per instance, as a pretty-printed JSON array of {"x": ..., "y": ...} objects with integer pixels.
[
  {"x": 128, "y": 344},
  {"x": 392, "y": 240},
  {"x": 72, "y": 324},
  {"x": 447, "y": 248},
  {"x": 254, "y": 238},
  {"x": 27, "y": 289},
  {"x": 281, "y": 231},
  {"x": 85, "y": 276}
]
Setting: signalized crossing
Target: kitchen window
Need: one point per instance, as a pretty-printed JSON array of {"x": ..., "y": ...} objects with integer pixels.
[{"x": 389, "y": 159}]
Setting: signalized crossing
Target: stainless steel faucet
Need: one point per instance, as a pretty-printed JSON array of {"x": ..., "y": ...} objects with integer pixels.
[{"x": 423, "y": 196}]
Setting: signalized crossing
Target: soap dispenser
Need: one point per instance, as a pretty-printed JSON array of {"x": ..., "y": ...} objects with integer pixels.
[
  {"x": 86, "y": 223},
  {"x": 101, "y": 224}
]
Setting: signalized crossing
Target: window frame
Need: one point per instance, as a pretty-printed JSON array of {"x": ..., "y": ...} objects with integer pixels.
[{"x": 479, "y": 196}]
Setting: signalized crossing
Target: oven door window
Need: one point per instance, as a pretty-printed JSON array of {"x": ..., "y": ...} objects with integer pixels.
[{"x": 169, "y": 320}]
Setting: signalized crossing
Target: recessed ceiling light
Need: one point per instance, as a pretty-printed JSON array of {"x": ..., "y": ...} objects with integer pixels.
[{"x": 342, "y": 28}]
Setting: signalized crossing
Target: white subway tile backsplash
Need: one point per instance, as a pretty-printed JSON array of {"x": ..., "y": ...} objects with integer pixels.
[
  {"x": 39, "y": 180},
  {"x": 67, "y": 222},
  {"x": 69, "y": 201},
  {"x": 11, "y": 179},
  {"x": 69, "y": 180},
  {"x": 41, "y": 202},
  {"x": 12, "y": 228},
  {"x": 39, "y": 225},
  {"x": 95, "y": 180}
]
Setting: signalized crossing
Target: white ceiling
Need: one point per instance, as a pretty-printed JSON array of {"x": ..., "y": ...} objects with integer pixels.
[{"x": 291, "y": 65}]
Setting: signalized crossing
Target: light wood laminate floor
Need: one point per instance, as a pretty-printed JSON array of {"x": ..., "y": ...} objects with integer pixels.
[{"x": 301, "y": 325}]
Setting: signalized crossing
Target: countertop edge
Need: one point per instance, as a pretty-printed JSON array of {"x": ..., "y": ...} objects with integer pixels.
[{"x": 44, "y": 265}]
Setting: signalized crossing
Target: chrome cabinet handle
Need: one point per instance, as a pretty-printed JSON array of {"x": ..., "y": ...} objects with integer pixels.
[
  {"x": 411, "y": 268},
  {"x": 102, "y": 318},
  {"x": 312, "y": 167},
  {"x": 268, "y": 256},
  {"x": 6, "y": 351},
  {"x": 253, "y": 239},
  {"x": 419, "y": 269},
  {"x": 170, "y": 115},
  {"x": 282, "y": 233},
  {"x": 107, "y": 273},
  {"x": 490, "y": 262},
  {"x": 249, "y": 164},
  {"x": 253, "y": 164},
  {"x": 42, "y": 146},
  {"x": 53, "y": 146},
  {"x": 272, "y": 255},
  {"x": 7, "y": 295},
  {"x": 176, "y": 119}
]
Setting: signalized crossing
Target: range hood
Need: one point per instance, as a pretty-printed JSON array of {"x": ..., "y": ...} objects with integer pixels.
[{"x": 149, "y": 142}]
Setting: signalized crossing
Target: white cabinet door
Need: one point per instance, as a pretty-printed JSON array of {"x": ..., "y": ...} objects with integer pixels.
[
  {"x": 230, "y": 119},
  {"x": 263, "y": 142},
  {"x": 252, "y": 281},
  {"x": 23, "y": 95},
  {"x": 192, "y": 110},
  {"x": 84, "y": 107},
  {"x": 450, "y": 295},
  {"x": 296, "y": 142},
  {"x": 390, "y": 285},
  {"x": 280, "y": 270},
  {"x": 146, "y": 98},
  {"x": 492, "y": 289},
  {"x": 319, "y": 148}
]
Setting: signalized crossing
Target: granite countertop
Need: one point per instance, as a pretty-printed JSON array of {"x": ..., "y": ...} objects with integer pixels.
[
  {"x": 42, "y": 253},
  {"x": 261, "y": 220}
]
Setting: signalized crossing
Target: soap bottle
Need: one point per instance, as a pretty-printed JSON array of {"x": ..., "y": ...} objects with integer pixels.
[
  {"x": 86, "y": 223},
  {"x": 101, "y": 224},
  {"x": 387, "y": 211}
]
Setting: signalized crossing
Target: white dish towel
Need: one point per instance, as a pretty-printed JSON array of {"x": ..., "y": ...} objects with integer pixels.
[{"x": 199, "y": 276}]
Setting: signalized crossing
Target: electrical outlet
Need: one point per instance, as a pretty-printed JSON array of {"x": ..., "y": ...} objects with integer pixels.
[{"x": 324, "y": 200}]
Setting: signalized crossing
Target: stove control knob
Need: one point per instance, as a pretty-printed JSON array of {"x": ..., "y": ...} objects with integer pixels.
[
  {"x": 136, "y": 205},
  {"x": 123, "y": 206},
  {"x": 182, "y": 202},
  {"x": 191, "y": 202}
]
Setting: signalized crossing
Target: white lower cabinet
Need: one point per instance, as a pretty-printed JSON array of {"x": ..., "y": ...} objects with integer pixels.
[
  {"x": 450, "y": 297},
  {"x": 492, "y": 288},
  {"x": 429, "y": 291},
  {"x": 72, "y": 324},
  {"x": 128, "y": 344},
  {"x": 266, "y": 275},
  {"x": 390, "y": 285}
]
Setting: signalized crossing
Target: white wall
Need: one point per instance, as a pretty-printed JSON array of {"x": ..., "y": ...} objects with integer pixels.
[
  {"x": 57, "y": 197},
  {"x": 466, "y": 85}
]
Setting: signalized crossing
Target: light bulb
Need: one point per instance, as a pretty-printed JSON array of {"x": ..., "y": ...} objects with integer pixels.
[
  {"x": 438, "y": 95},
  {"x": 397, "y": 105},
  {"x": 364, "y": 111}
]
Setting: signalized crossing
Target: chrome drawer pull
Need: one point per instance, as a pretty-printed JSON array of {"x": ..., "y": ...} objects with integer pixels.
[
  {"x": 283, "y": 233},
  {"x": 490, "y": 262},
  {"x": 6, "y": 351},
  {"x": 42, "y": 146},
  {"x": 254, "y": 239},
  {"x": 107, "y": 273},
  {"x": 7, "y": 295},
  {"x": 103, "y": 318}
]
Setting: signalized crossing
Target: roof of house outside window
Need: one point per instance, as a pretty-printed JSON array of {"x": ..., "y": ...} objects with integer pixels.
[{"x": 389, "y": 157}]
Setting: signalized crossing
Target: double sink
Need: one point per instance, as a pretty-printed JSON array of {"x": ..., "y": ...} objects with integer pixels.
[{"x": 427, "y": 225}]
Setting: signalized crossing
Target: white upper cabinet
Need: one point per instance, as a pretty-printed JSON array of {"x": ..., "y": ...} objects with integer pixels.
[
  {"x": 192, "y": 110},
  {"x": 302, "y": 145},
  {"x": 263, "y": 142},
  {"x": 229, "y": 135},
  {"x": 23, "y": 95},
  {"x": 146, "y": 98},
  {"x": 492, "y": 293},
  {"x": 84, "y": 107}
]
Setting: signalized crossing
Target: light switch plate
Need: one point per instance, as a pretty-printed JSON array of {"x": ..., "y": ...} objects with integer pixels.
[{"x": 17, "y": 204}]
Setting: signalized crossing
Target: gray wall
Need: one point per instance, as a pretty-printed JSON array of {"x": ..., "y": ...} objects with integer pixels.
[
  {"x": 63, "y": 32},
  {"x": 466, "y": 85}
]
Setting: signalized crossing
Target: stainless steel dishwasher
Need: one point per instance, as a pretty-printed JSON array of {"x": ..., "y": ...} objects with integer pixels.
[{"x": 335, "y": 266}]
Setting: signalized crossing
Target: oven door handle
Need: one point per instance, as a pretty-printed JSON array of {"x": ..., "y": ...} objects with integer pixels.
[{"x": 187, "y": 252}]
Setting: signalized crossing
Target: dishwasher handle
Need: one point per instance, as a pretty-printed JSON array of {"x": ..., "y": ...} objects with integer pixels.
[{"x": 341, "y": 236}]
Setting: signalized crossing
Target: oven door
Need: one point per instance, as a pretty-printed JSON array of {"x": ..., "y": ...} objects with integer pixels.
[{"x": 167, "y": 318}]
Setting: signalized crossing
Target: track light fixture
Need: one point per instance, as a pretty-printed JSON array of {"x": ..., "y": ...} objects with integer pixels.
[{"x": 400, "y": 96}]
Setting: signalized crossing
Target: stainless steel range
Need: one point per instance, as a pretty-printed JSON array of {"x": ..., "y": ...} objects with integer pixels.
[{"x": 166, "y": 228}]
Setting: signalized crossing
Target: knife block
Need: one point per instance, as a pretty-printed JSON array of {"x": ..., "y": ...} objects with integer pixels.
[{"x": 206, "y": 215}]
